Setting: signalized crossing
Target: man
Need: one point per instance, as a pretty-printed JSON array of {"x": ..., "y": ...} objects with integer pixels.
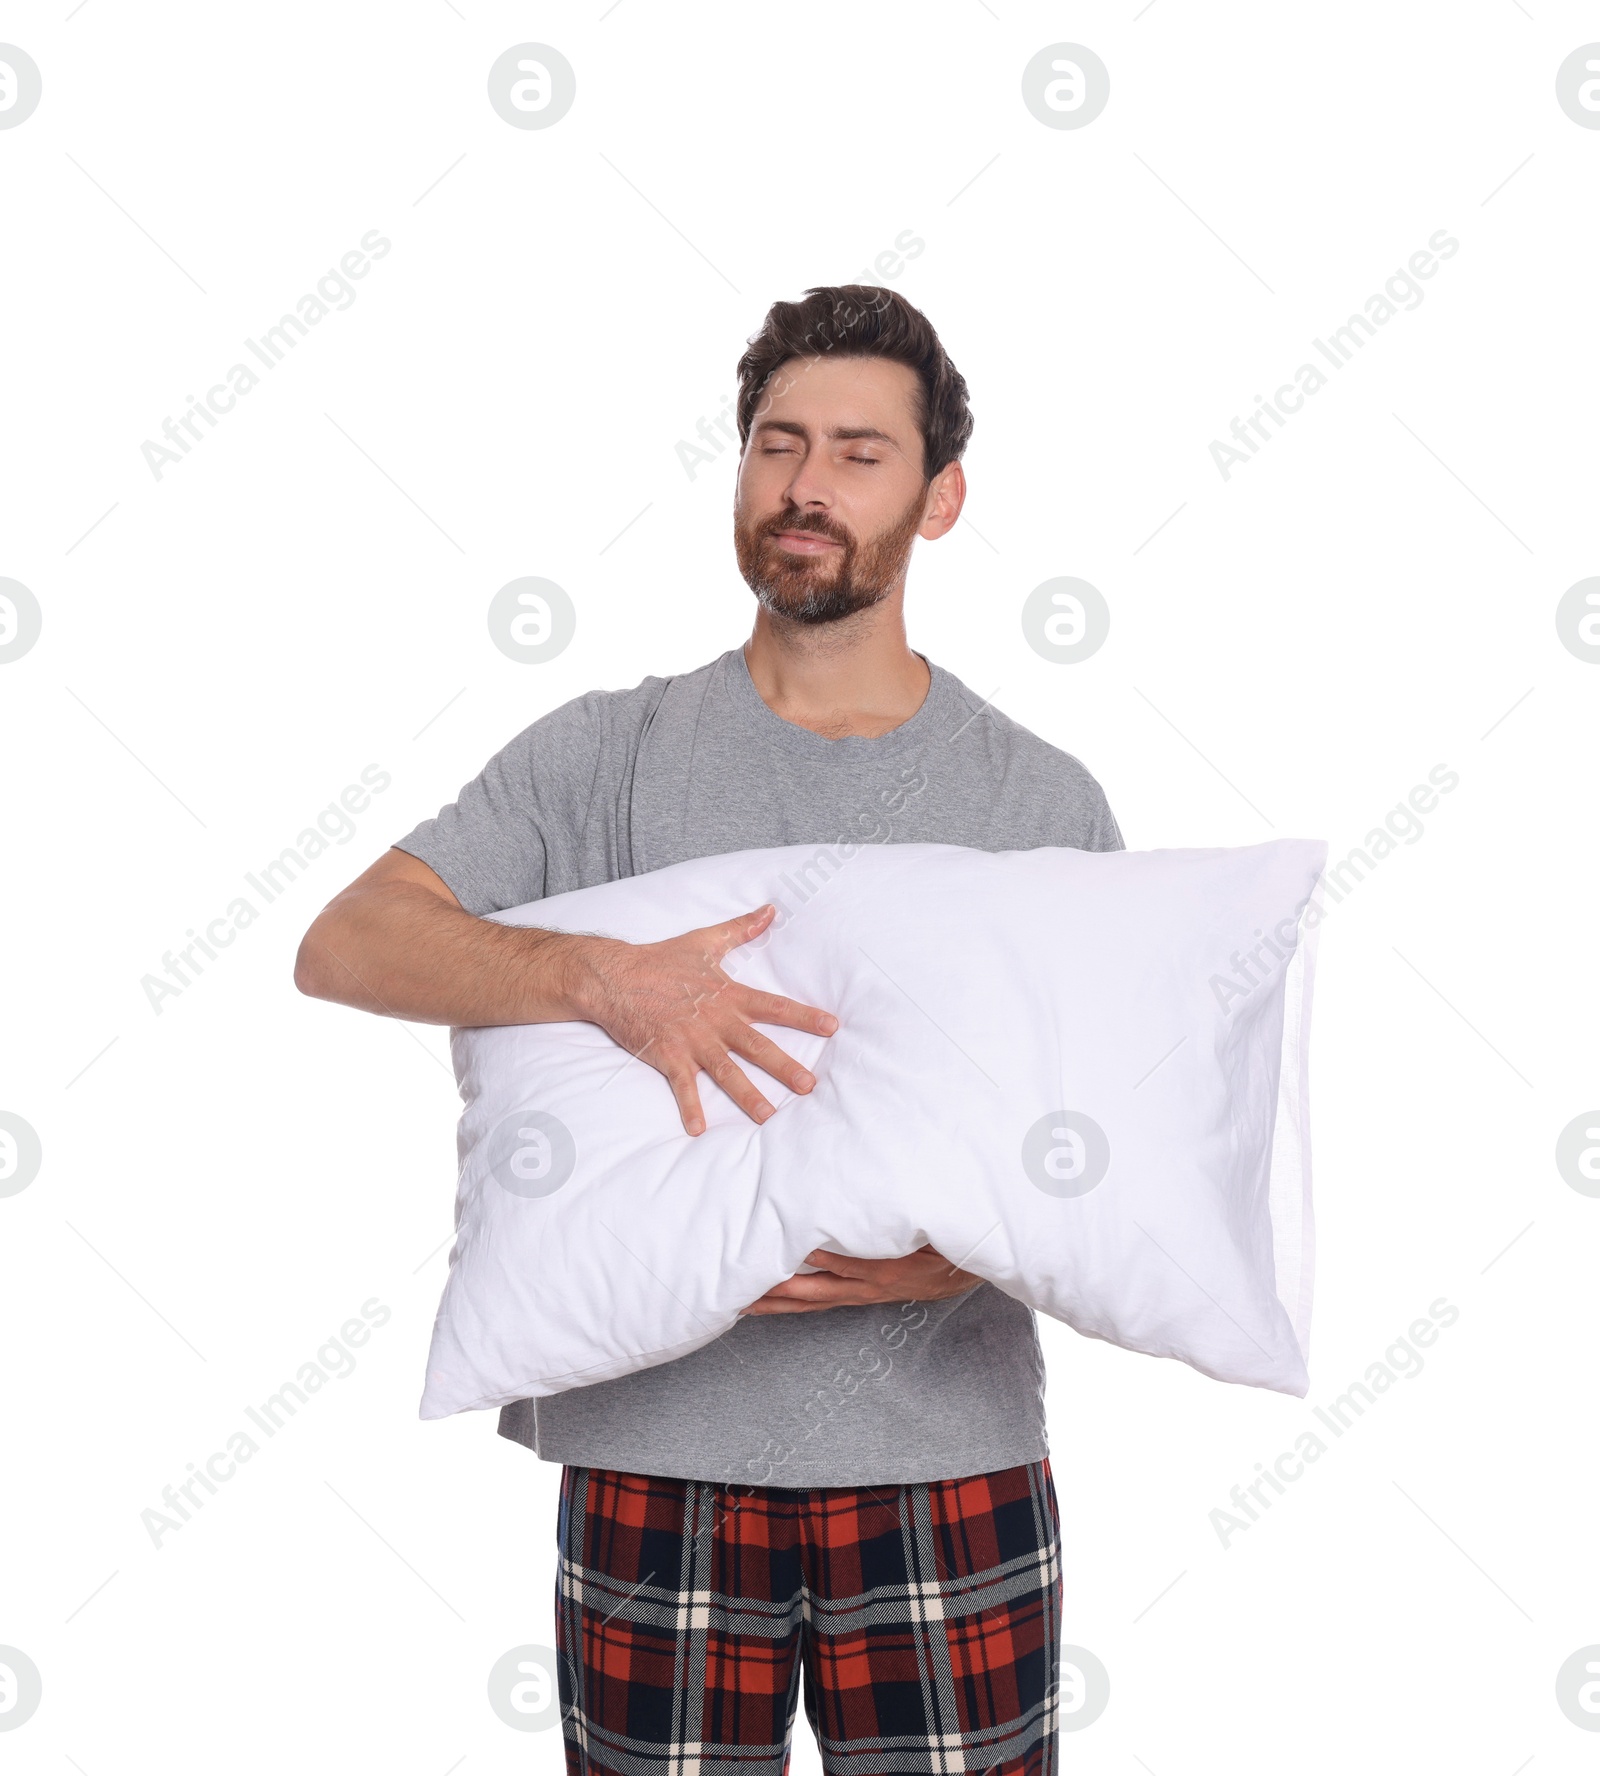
[{"x": 854, "y": 1480}]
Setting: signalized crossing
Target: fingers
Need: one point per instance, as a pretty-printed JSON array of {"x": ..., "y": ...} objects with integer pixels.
[
  {"x": 725, "y": 1072},
  {"x": 844, "y": 1281},
  {"x": 686, "y": 1092},
  {"x": 822, "y": 1289},
  {"x": 923, "y": 1275},
  {"x": 875, "y": 1270},
  {"x": 773, "y": 1008},
  {"x": 751, "y": 1045},
  {"x": 770, "y": 1007},
  {"x": 722, "y": 1068},
  {"x": 698, "y": 1018}
]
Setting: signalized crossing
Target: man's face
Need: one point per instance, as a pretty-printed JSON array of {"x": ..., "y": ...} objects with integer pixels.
[{"x": 831, "y": 492}]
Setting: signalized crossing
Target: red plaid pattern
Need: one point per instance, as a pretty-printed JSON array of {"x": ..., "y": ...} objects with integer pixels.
[{"x": 925, "y": 1619}]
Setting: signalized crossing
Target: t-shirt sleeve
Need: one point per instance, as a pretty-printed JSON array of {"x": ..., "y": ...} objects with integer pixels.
[
  {"x": 493, "y": 845},
  {"x": 1104, "y": 833},
  {"x": 1083, "y": 805}
]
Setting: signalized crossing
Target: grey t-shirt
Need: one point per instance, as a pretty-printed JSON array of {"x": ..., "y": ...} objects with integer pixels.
[{"x": 616, "y": 783}]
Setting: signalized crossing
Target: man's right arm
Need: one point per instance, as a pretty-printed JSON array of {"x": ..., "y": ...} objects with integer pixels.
[{"x": 398, "y": 942}]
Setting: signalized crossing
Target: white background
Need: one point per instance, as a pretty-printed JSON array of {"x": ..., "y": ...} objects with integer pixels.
[{"x": 225, "y": 648}]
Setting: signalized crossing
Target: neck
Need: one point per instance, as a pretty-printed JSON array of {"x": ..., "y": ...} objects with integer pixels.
[{"x": 854, "y": 677}]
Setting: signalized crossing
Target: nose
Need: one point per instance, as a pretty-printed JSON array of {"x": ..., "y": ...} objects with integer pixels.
[{"x": 810, "y": 487}]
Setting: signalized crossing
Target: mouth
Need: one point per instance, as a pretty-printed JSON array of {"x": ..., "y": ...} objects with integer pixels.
[{"x": 804, "y": 542}]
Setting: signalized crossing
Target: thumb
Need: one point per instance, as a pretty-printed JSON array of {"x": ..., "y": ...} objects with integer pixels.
[
  {"x": 841, "y": 1264},
  {"x": 733, "y": 932}
]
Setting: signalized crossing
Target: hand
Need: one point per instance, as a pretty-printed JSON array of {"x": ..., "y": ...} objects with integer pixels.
[
  {"x": 671, "y": 1004},
  {"x": 922, "y": 1275}
]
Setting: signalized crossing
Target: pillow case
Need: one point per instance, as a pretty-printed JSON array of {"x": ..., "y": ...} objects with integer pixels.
[{"x": 1079, "y": 1075}]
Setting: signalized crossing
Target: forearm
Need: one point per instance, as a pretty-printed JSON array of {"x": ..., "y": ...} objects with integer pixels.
[
  {"x": 398, "y": 942},
  {"x": 402, "y": 951}
]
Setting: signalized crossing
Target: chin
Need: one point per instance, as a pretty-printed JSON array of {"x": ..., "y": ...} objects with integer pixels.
[{"x": 813, "y": 605}]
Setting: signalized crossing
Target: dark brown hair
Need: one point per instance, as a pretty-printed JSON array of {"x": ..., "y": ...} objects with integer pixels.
[{"x": 863, "y": 321}]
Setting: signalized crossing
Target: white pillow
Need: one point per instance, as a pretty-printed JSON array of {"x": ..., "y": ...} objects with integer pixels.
[{"x": 1079, "y": 1075}]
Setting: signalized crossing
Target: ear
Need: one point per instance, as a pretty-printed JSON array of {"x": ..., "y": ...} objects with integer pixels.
[{"x": 947, "y": 494}]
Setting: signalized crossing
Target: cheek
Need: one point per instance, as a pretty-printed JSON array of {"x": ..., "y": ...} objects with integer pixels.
[
  {"x": 759, "y": 485},
  {"x": 878, "y": 516},
  {"x": 748, "y": 508}
]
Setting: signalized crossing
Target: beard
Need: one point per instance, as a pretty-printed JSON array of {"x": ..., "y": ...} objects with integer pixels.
[{"x": 824, "y": 588}]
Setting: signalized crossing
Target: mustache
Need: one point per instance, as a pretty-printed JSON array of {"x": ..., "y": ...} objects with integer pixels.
[{"x": 812, "y": 523}]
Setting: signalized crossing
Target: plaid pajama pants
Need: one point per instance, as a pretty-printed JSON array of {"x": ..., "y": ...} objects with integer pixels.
[{"x": 925, "y": 1619}]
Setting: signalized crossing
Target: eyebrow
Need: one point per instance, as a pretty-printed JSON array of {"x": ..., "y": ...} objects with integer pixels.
[{"x": 840, "y": 433}]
